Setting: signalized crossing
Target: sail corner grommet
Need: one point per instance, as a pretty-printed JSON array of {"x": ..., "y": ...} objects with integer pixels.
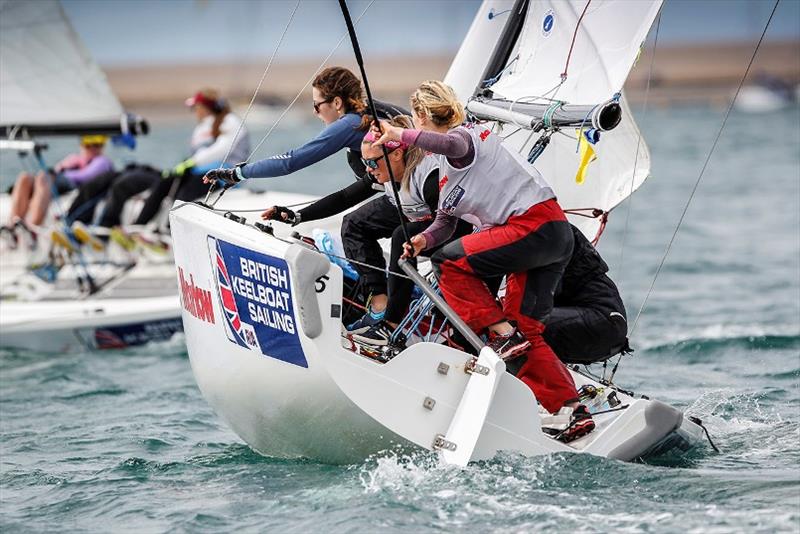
[
  {"x": 442, "y": 368},
  {"x": 429, "y": 403}
]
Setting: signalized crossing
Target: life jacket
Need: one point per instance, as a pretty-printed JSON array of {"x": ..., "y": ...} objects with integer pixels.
[{"x": 498, "y": 184}]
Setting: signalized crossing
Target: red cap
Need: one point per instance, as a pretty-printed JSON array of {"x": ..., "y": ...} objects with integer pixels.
[{"x": 200, "y": 98}]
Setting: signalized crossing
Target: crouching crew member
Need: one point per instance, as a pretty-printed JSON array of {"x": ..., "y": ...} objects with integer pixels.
[{"x": 524, "y": 236}]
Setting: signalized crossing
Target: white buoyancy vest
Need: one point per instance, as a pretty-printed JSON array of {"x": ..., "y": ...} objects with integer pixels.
[
  {"x": 498, "y": 184},
  {"x": 413, "y": 200}
]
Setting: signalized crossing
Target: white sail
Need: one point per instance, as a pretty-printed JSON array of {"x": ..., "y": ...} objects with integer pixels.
[
  {"x": 606, "y": 46},
  {"x": 47, "y": 76}
]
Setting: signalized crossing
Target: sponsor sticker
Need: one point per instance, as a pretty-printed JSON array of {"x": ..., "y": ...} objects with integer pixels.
[
  {"x": 195, "y": 300},
  {"x": 256, "y": 299},
  {"x": 453, "y": 199},
  {"x": 547, "y": 22}
]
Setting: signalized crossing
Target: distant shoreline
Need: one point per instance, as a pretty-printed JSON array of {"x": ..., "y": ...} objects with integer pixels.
[{"x": 696, "y": 74}]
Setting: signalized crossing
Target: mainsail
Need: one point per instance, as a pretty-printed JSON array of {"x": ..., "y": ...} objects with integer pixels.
[
  {"x": 48, "y": 81},
  {"x": 557, "y": 59}
]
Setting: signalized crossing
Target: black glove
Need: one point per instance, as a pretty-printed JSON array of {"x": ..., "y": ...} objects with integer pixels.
[
  {"x": 227, "y": 177},
  {"x": 285, "y": 215}
]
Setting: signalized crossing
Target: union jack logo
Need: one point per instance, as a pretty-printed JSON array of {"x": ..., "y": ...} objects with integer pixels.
[{"x": 231, "y": 312}]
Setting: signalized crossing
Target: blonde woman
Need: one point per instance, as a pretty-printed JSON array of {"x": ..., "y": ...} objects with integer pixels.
[
  {"x": 417, "y": 175},
  {"x": 524, "y": 236}
]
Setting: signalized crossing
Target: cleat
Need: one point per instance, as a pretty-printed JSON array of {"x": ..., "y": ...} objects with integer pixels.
[
  {"x": 83, "y": 235},
  {"x": 508, "y": 346},
  {"x": 377, "y": 335}
]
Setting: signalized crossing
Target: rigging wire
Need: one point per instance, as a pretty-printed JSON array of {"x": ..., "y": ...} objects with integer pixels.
[
  {"x": 288, "y": 107},
  {"x": 697, "y": 182},
  {"x": 260, "y": 82},
  {"x": 311, "y": 79}
]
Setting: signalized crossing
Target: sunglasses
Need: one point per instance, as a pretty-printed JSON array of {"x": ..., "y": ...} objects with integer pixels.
[
  {"x": 318, "y": 104},
  {"x": 371, "y": 163}
]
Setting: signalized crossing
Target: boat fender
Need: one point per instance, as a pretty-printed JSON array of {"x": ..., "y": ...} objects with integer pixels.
[
  {"x": 661, "y": 419},
  {"x": 306, "y": 266}
]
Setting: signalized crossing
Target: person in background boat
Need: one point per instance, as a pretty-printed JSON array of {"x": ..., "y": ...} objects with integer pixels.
[
  {"x": 219, "y": 133},
  {"x": 338, "y": 101},
  {"x": 417, "y": 175},
  {"x": 213, "y": 136},
  {"x": 31, "y": 195},
  {"x": 524, "y": 236}
]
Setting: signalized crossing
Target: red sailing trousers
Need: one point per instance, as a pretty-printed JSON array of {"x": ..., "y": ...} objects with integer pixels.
[{"x": 532, "y": 250}]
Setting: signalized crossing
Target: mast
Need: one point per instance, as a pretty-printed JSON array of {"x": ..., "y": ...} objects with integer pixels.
[{"x": 505, "y": 45}]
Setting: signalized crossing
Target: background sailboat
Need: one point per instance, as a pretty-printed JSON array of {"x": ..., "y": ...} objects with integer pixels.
[{"x": 49, "y": 82}]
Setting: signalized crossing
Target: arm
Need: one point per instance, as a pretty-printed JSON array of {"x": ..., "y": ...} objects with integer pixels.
[
  {"x": 440, "y": 230},
  {"x": 455, "y": 144},
  {"x": 98, "y": 166},
  {"x": 70, "y": 162},
  {"x": 339, "y": 201},
  {"x": 333, "y": 138}
]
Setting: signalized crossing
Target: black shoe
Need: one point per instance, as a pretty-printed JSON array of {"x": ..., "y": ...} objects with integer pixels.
[
  {"x": 508, "y": 346},
  {"x": 367, "y": 321},
  {"x": 378, "y": 335}
]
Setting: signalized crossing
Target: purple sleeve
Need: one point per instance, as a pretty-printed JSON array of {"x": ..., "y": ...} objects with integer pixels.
[
  {"x": 96, "y": 167},
  {"x": 455, "y": 144},
  {"x": 440, "y": 230}
]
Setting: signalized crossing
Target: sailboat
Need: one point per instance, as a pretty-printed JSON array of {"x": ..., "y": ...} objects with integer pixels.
[
  {"x": 263, "y": 326},
  {"x": 50, "y": 86}
]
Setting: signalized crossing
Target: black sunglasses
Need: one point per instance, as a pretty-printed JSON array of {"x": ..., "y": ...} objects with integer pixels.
[
  {"x": 371, "y": 163},
  {"x": 318, "y": 104}
]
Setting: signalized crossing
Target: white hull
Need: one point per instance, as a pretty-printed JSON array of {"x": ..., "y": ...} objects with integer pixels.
[
  {"x": 296, "y": 392},
  {"x": 142, "y": 305}
]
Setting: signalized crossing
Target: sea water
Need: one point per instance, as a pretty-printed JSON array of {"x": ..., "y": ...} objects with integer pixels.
[{"x": 123, "y": 441}]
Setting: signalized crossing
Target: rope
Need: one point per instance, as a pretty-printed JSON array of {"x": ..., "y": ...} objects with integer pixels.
[
  {"x": 595, "y": 213},
  {"x": 700, "y": 176},
  {"x": 572, "y": 45}
]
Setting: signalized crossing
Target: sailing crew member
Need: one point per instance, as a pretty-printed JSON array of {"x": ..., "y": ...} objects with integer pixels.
[
  {"x": 338, "y": 101},
  {"x": 31, "y": 194},
  {"x": 588, "y": 323},
  {"x": 213, "y": 136},
  {"x": 524, "y": 236},
  {"x": 417, "y": 174}
]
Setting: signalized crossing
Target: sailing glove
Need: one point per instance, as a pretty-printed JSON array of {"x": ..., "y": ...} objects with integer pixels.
[
  {"x": 226, "y": 177},
  {"x": 180, "y": 169},
  {"x": 284, "y": 215}
]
